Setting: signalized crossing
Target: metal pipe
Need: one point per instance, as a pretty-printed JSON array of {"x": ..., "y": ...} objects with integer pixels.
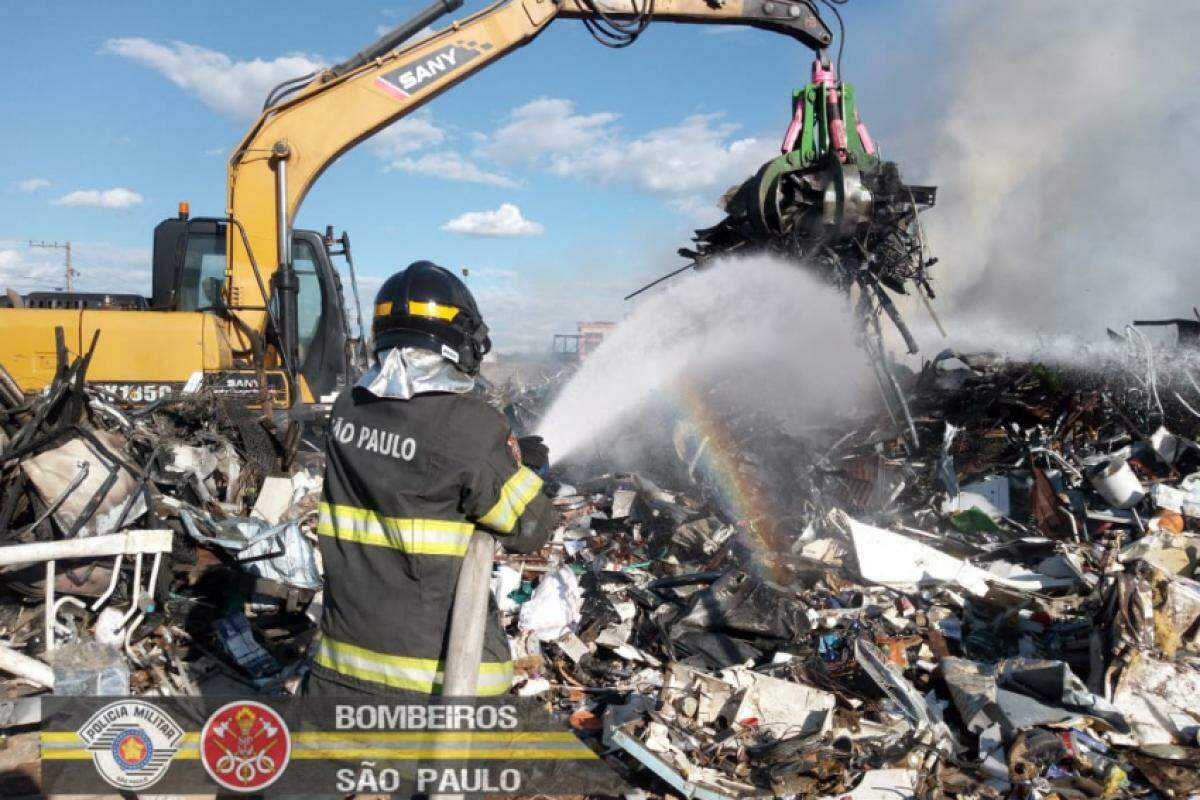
[
  {"x": 48, "y": 596},
  {"x": 112, "y": 583},
  {"x": 58, "y": 604},
  {"x": 154, "y": 579},
  {"x": 25, "y": 667},
  {"x": 135, "y": 593},
  {"x": 281, "y": 221},
  {"x": 286, "y": 286},
  {"x": 137, "y": 578},
  {"x": 64, "y": 600},
  {"x": 468, "y": 618},
  {"x": 154, "y": 541}
]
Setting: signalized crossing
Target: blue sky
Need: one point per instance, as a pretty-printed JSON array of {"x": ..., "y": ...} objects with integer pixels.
[{"x": 599, "y": 163}]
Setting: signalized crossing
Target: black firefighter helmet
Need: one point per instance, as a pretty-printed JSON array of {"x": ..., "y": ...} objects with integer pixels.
[{"x": 427, "y": 306}]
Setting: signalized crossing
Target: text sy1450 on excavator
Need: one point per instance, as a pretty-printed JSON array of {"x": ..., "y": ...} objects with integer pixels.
[{"x": 244, "y": 304}]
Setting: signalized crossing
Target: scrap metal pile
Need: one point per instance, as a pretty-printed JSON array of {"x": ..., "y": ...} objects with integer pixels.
[
  {"x": 1012, "y": 610},
  {"x": 165, "y": 549}
]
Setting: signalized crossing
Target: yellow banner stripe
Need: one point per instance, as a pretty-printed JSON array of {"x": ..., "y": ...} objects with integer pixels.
[
  {"x": 438, "y": 745},
  {"x": 83, "y": 755},
  {"x": 66, "y": 737},
  {"x": 62, "y": 736},
  {"x": 383, "y": 309},
  {"x": 191, "y": 739},
  {"x": 515, "y": 495},
  {"x": 438, "y": 753},
  {"x": 523, "y": 737},
  {"x": 580, "y": 753}
]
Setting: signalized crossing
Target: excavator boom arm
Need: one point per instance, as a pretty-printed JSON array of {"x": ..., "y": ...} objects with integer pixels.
[{"x": 296, "y": 139}]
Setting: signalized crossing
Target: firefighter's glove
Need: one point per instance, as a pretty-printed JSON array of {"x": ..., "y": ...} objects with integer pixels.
[{"x": 535, "y": 454}]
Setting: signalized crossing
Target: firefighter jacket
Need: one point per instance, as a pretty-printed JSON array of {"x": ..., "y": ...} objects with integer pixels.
[{"x": 406, "y": 483}]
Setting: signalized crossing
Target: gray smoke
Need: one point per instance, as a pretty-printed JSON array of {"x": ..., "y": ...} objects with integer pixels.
[{"x": 1067, "y": 165}]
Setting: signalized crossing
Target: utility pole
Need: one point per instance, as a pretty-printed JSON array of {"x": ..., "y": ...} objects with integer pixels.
[{"x": 71, "y": 273}]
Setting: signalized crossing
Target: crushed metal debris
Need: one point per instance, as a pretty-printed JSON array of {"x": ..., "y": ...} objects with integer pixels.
[{"x": 1012, "y": 607}]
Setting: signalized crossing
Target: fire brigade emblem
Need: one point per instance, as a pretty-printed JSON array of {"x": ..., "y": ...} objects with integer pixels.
[
  {"x": 131, "y": 742},
  {"x": 245, "y": 746}
]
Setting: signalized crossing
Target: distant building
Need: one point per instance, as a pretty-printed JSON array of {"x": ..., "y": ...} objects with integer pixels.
[{"x": 588, "y": 337}]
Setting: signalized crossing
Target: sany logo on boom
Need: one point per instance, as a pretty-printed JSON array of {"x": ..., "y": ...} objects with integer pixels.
[{"x": 411, "y": 76}]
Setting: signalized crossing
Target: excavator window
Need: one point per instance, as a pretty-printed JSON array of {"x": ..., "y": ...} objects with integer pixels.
[
  {"x": 310, "y": 304},
  {"x": 203, "y": 265}
]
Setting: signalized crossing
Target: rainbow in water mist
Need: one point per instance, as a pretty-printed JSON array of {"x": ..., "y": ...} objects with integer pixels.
[
  {"x": 774, "y": 339},
  {"x": 748, "y": 506}
]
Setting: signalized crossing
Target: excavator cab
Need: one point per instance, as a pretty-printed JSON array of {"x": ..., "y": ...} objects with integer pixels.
[{"x": 189, "y": 275}]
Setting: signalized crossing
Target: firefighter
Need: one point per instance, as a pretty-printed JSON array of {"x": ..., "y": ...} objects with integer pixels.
[{"x": 415, "y": 461}]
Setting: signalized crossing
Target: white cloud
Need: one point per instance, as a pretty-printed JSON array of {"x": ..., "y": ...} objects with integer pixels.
[
  {"x": 404, "y": 147},
  {"x": 544, "y": 126},
  {"x": 32, "y": 184},
  {"x": 450, "y": 165},
  {"x": 698, "y": 154},
  {"x": 236, "y": 88},
  {"x": 506, "y": 220},
  {"x": 23, "y": 272},
  {"x": 695, "y": 158},
  {"x": 700, "y": 209},
  {"x": 118, "y": 197},
  {"x": 407, "y": 135},
  {"x": 692, "y": 156},
  {"x": 99, "y": 266}
]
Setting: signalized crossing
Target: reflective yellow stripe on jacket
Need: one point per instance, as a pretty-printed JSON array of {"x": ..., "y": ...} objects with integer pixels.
[
  {"x": 516, "y": 493},
  {"x": 403, "y": 672},
  {"x": 430, "y": 537}
]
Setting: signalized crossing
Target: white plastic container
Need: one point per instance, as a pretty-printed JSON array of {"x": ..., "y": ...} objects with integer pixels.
[{"x": 1117, "y": 484}]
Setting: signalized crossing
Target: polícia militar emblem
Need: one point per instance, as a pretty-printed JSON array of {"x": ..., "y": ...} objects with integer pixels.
[
  {"x": 131, "y": 742},
  {"x": 245, "y": 746}
]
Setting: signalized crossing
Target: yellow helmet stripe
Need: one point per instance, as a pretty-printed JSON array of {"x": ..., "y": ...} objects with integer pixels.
[
  {"x": 432, "y": 309},
  {"x": 420, "y": 309}
]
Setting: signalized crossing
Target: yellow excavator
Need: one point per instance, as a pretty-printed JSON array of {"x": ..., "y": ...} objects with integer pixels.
[{"x": 245, "y": 305}]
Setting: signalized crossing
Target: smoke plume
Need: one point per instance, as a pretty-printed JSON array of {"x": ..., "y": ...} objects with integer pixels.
[{"x": 1067, "y": 165}]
